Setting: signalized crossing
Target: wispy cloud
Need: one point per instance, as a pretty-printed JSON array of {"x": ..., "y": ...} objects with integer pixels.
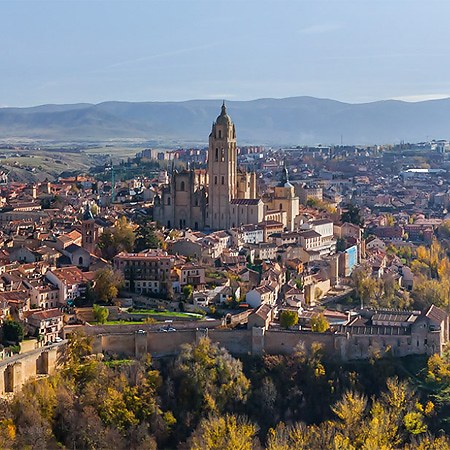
[
  {"x": 321, "y": 28},
  {"x": 421, "y": 97},
  {"x": 176, "y": 52}
]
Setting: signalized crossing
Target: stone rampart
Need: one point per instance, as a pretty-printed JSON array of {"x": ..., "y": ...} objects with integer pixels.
[
  {"x": 15, "y": 371},
  {"x": 135, "y": 341}
]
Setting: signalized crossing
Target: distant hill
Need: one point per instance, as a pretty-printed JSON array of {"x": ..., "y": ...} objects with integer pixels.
[{"x": 288, "y": 121}]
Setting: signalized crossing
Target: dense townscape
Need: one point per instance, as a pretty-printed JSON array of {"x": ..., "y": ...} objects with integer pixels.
[{"x": 208, "y": 297}]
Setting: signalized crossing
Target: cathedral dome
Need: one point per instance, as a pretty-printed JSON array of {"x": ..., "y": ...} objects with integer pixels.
[{"x": 223, "y": 118}]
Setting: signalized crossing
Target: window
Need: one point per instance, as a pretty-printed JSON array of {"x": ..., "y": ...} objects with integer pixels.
[
  {"x": 281, "y": 206},
  {"x": 168, "y": 201},
  {"x": 182, "y": 186},
  {"x": 223, "y": 180},
  {"x": 217, "y": 154},
  {"x": 222, "y": 155},
  {"x": 215, "y": 180},
  {"x": 220, "y": 134}
]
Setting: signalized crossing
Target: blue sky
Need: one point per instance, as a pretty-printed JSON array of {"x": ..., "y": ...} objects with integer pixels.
[{"x": 165, "y": 50}]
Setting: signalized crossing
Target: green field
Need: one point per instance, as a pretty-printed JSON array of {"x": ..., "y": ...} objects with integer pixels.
[
  {"x": 154, "y": 312},
  {"x": 119, "y": 322}
]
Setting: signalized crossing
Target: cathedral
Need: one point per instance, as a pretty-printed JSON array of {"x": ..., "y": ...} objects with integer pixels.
[{"x": 223, "y": 196}]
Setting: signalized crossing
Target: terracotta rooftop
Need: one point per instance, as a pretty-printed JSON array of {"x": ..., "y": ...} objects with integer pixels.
[{"x": 46, "y": 314}]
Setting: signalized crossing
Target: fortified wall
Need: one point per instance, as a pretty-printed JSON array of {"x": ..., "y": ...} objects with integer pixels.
[
  {"x": 136, "y": 341},
  {"x": 258, "y": 341},
  {"x": 15, "y": 371}
]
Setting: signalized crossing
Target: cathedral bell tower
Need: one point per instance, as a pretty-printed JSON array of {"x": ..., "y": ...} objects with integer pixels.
[{"x": 222, "y": 171}]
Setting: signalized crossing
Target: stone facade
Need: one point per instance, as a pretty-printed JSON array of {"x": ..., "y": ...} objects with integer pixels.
[
  {"x": 223, "y": 196},
  {"x": 182, "y": 203}
]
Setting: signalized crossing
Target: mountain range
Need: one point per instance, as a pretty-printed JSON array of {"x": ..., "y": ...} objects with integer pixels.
[{"x": 287, "y": 121}]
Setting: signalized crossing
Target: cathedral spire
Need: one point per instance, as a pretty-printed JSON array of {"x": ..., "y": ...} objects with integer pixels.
[
  {"x": 284, "y": 175},
  {"x": 224, "y": 109},
  {"x": 87, "y": 214}
]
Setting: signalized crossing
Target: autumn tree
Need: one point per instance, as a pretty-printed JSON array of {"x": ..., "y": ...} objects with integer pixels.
[
  {"x": 209, "y": 379},
  {"x": 107, "y": 284},
  {"x": 79, "y": 345},
  {"x": 117, "y": 239},
  {"x": 223, "y": 432},
  {"x": 428, "y": 292},
  {"x": 351, "y": 410},
  {"x": 444, "y": 229},
  {"x": 124, "y": 236},
  {"x": 319, "y": 323},
  {"x": 288, "y": 319}
]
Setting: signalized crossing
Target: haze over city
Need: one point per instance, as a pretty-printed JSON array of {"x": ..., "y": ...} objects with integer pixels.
[{"x": 354, "y": 51}]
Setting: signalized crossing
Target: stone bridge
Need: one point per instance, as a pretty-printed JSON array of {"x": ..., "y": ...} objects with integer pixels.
[{"x": 18, "y": 369}]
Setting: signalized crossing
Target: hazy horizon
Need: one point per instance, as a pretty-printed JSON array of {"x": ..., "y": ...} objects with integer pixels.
[{"x": 220, "y": 100}]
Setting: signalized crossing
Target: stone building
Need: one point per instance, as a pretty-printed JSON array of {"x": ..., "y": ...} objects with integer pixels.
[
  {"x": 284, "y": 200},
  {"x": 182, "y": 203},
  {"x": 89, "y": 231},
  {"x": 199, "y": 199}
]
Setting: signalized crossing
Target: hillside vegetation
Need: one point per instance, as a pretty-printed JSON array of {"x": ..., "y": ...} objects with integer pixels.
[{"x": 207, "y": 399}]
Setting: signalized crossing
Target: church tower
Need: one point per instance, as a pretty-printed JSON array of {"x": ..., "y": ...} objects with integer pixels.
[
  {"x": 88, "y": 231},
  {"x": 222, "y": 171}
]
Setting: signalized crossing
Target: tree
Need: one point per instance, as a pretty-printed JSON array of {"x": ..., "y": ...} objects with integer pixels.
[
  {"x": 101, "y": 313},
  {"x": 117, "y": 239},
  {"x": 124, "y": 236},
  {"x": 390, "y": 220},
  {"x": 210, "y": 380},
  {"x": 147, "y": 237},
  {"x": 107, "y": 284},
  {"x": 319, "y": 323},
  {"x": 94, "y": 209},
  {"x": 341, "y": 244},
  {"x": 351, "y": 410},
  {"x": 288, "y": 319},
  {"x": 107, "y": 245},
  {"x": 444, "y": 229},
  {"x": 78, "y": 347},
  {"x": 428, "y": 292},
  {"x": 12, "y": 331},
  {"x": 352, "y": 214},
  {"x": 218, "y": 433},
  {"x": 187, "y": 291}
]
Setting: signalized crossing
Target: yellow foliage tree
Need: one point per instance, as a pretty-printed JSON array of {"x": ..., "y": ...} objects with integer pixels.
[{"x": 225, "y": 432}]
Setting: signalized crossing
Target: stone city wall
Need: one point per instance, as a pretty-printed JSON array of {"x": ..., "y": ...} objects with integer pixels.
[{"x": 15, "y": 371}]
